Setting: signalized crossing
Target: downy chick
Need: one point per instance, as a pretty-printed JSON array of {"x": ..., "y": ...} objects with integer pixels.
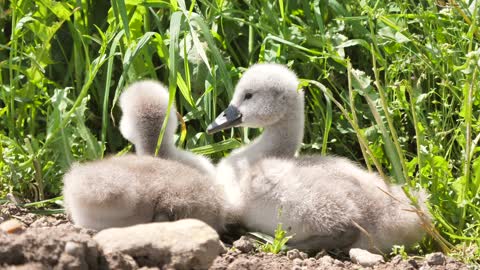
[
  {"x": 127, "y": 190},
  {"x": 326, "y": 202},
  {"x": 122, "y": 191}
]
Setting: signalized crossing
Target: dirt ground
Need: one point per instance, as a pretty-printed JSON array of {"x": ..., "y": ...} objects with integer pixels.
[{"x": 52, "y": 242}]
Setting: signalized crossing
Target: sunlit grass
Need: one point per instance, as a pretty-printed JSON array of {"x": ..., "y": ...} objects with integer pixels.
[{"x": 391, "y": 84}]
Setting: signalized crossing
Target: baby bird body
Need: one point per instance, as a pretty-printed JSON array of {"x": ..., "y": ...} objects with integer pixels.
[
  {"x": 132, "y": 189},
  {"x": 127, "y": 190},
  {"x": 326, "y": 202}
]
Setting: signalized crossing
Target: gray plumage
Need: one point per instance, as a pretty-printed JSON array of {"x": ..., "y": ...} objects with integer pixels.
[
  {"x": 127, "y": 190},
  {"x": 327, "y": 202},
  {"x": 122, "y": 191}
]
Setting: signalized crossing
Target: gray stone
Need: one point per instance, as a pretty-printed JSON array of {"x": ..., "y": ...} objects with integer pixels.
[
  {"x": 396, "y": 260},
  {"x": 293, "y": 254},
  {"x": 67, "y": 261},
  {"x": 297, "y": 261},
  {"x": 184, "y": 244},
  {"x": 413, "y": 263},
  {"x": 117, "y": 260},
  {"x": 321, "y": 254},
  {"x": 436, "y": 258},
  {"x": 244, "y": 244},
  {"x": 364, "y": 258},
  {"x": 310, "y": 262},
  {"x": 73, "y": 257},
  {"x": 326, "y": 260},
  {"x": 74, "y": 249},
  {"x": 338, "y": 263},
  {"x": 303, "y": 255}
]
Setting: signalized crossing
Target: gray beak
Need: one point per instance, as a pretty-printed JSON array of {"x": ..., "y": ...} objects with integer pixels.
[{"x": 231, "y": 117}]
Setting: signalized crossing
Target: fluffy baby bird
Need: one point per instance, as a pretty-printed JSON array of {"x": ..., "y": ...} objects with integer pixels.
[
  {"x": 144, "y": 106},
  {"x": 131, "y": 189},
  {"x": 127, "y": 190},
  {"x": 326, "y": 202}
]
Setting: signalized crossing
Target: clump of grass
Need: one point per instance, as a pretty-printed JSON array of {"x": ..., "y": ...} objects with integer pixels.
[
  {"x": 399, "y": 250},
  {"x": 273, "y": 244}
]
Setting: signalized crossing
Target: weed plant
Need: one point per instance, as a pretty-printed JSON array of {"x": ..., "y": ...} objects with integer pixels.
[
  {"x": 273, "y": 244},
  {"x": 393, "y": 85}
]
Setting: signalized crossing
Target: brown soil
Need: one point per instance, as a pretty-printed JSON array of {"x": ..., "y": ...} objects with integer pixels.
[
  {"x": 264, "y": 261},
  {"x": 52, "y": 242}
]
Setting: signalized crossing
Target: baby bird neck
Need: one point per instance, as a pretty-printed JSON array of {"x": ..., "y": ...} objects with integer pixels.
[
  {"x": 148, "y": 147},
  {"x": 282, "y": 139}
]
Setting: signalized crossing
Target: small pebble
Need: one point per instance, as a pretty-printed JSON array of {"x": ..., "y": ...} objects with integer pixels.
[
  {"x": 396, "y": 260},
  {"x": 436, "y": 258},
  {"x": 303, "y": 255},
  {"x": 293, "y": 254},
  {"x": 309, "y": 262},
  {"x": 326, "y": 260},
  {"x": 320, "y": 254},
  {"x": 413, "y": 263},
  {"x": 364, "y": 258},
  {"x": 229, "y": 258},
  {"x": 41, "y": 222},
  {"x": 255, "y": 261},
  {"x": 338, "y": 263},
  {"x": 297, "y": 261},
  {"x": 11, "y": 226},
  {"x": 74, "y": 249},
  {"x": 244, "y": 244}
]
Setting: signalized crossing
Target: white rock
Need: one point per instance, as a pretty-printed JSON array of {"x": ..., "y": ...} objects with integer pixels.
[
  {"x": 184, "y": 244},
  {"x": 364, "y": 258}
]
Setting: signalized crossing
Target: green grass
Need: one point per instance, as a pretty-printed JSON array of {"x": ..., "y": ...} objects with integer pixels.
[
  {"x": 273, "y": 244},
  {"x": 391, "y": 84}
]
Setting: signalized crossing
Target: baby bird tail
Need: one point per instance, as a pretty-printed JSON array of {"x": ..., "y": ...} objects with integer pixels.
[{"x": 409, "y": 217}]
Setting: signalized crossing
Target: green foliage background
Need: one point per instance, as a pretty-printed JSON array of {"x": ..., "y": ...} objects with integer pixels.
[{"x": 392, "y": 84}]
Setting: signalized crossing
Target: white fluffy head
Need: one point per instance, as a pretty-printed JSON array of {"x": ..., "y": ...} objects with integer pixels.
[
  {"x": 264, "y": 94},
  {"x": 144, "y": 105}
]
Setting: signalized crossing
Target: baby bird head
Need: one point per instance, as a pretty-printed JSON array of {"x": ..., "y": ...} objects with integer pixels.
[
  {"x": 144, "y": 107},
  {"x": 263, "y": 96}
]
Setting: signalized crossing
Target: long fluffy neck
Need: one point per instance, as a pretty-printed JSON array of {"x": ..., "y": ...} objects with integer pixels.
[
  {"x": 168, "y": 150},
  {"x": 148, "y": 146},
  {"x": 145, "y": 129},
  {"x": 282, "y": 139}
]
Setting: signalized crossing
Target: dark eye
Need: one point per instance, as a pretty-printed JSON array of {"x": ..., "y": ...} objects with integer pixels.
[{"x": 248, "y": 96}]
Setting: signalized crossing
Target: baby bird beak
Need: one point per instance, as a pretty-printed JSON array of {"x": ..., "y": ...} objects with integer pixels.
[{"x": 231, "y": 117}]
